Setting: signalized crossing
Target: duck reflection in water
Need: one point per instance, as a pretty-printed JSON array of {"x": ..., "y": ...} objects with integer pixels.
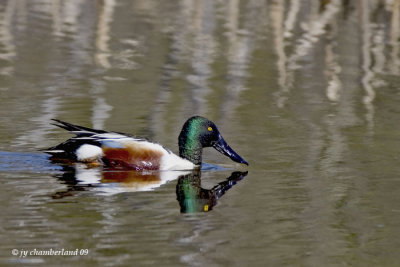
[
  {"x": 190, "y": 195},
  {"x": 80, "y": 177},
  {"x": 193, "y": 198}
]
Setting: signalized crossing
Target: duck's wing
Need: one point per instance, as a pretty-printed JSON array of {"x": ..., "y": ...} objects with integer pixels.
[{"x": 86, "y": 144}]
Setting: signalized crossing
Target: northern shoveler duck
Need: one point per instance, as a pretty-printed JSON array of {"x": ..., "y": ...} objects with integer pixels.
[{"x": 117, "y": 150}]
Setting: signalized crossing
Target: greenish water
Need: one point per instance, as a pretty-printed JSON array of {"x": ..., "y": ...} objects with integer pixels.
[{"x": 306, "y": 91}]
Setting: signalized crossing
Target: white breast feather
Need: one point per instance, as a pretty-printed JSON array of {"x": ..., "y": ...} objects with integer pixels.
[{"x": 171, "y": 161}]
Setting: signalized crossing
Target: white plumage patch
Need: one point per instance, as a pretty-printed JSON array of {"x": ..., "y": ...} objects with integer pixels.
[
  {"x": 88, "y": 153},
  {"x": 170, "y": 161}
]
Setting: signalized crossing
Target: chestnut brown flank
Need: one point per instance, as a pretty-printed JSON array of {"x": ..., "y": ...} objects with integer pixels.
[{"x": 133, "y": 156}]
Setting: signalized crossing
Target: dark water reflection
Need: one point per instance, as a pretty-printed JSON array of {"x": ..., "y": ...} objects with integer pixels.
[{"x": 307, "y": 91}]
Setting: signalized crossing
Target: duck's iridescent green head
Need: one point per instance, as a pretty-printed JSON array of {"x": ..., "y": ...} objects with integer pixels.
[{"x": 199, "y": 132}]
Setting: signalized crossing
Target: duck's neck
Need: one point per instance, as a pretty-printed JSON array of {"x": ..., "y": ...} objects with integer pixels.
[{"x": 190, "y": 148}]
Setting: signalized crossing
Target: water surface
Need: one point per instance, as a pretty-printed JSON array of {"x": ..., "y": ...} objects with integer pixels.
[{"x": 306, "y": 91}]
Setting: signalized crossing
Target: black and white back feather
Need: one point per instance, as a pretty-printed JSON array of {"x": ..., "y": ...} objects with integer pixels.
[{"x": 84, "y": 136}]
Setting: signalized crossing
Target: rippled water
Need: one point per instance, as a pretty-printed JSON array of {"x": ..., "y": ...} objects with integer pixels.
[{"x": 306, "y": 91}]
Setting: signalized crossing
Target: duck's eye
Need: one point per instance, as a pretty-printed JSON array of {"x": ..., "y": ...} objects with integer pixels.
[{"x": 209, "y": 129}]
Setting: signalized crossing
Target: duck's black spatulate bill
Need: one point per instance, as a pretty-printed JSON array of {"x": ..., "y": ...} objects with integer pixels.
[{"x": 222, "y": 147}]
